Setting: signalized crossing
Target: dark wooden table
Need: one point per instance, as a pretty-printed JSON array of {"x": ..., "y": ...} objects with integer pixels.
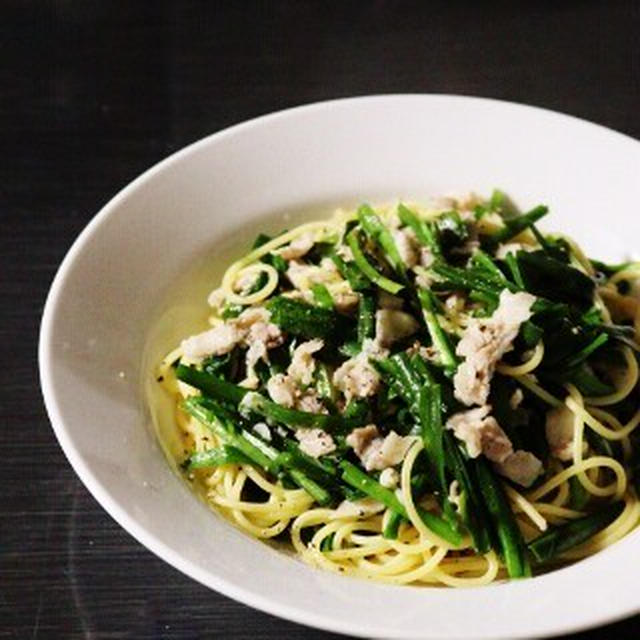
[{"x": 93, "y": 92}]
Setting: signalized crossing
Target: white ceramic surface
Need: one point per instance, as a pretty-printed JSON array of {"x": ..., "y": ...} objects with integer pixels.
[{"x": 111, "y": 294}]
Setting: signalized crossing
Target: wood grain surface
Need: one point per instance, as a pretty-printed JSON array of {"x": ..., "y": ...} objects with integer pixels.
[{"x": 95, "y": 91}]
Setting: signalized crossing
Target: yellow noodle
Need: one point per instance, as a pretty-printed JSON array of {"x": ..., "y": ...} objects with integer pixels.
[
  {"x": 407, "y": 498},
  {"x": 616, "y": 488},
  {"x": 606, "y": 417},
  {"x": 520, "y": 503},
  {"x": 445, "y": 574},
  {"x": 429, "y": 563},
  {"x": 385, "y": 565},
  {"x": 562, "y": 497},
  {"x": 525, "y": 367},
  {"x": 258, "y": 296},
  {"x": 531, "y": 383},
  {"x": 553, "y": 510},
  {"x": 597, "y": 426},
  {"x": 587, "y": 482}
]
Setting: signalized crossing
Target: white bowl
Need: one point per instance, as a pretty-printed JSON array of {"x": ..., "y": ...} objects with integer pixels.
[{"x": 121, "y": 299}]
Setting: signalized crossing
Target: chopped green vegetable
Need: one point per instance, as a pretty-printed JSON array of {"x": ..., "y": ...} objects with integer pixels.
[
  {"x": 378, "y": 233},
  {"x": 366, "y": 318},
  {"x": 515, "y": 226},
  {"x": 367, "y": 269},
  {"x": 322, "y": 296},
  {"x": 438, "y": 336},
  {"x": 557, "y": 540},
  {"x": 425, "y": 231},
  {"x": 360, "y": 480},
  {"x": 305, "y": 320},
  {"x": 215, "y": 458},
  {"x": 503, "y": 521}
]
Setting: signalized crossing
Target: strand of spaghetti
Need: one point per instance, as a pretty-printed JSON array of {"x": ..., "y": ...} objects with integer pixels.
[
  {"x": 430, "y": 562},
  {"x": 266, "y": 527},
  {"x": 356, "y": 538},
  {"x": 341, "y": 535},
  {"x": 556, "y": 511},
  {"x": 326, "y": 530},
  {"x": 233, "y": 488},
  {"x": 585, "y": 480},
  {"x": 170, "y": 358},
  {"x": 287, "y": 497},
  {"x": 597, "y": 426},
  {"x": 616, "y": 488},
  {"x": 562, "y": 497},
  {"x": 164, "y": 372},
  {"x": 415, "y": 546},
  {"x": 608, "y": 418},
  {"x": 238, "y": 484},
  {"x": 270, "y": 487},
  {"x": 380, "y": 546},
  {"x": 444, "y": 575},
  {"x": 392, "y": 566},
  {"x": 313, "y": 555},
  {"x": 594, "y": 474},
  {"x": 531, "y": 383},
  {"x": 407, "y": 497},
  {"x": 275, "y": 508},
  {"x": 345, "y": 534},
  {"x": 520, "y": 503},
  {"x": 526, "y": 367},
  {"x": 563, "y": 493},
  {"x": 463, "y": 564},
  {"x": 630, "y": 381},
  {"x": 310, "y": 518},
  {"x": 353, "y": 529},
  {"x": 258, "y": 296},
  {"x": 259, "y": 531},
  {"x": 215, "y": 477},
  {"x": 229, "y": 482},
  {"x": 378, "y": 569}
]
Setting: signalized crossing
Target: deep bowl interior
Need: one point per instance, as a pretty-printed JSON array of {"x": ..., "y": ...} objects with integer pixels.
[{"x": 121, "y": 300}]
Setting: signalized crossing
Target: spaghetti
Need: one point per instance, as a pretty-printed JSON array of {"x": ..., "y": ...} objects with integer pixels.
[{"x": 431, "y": 395}]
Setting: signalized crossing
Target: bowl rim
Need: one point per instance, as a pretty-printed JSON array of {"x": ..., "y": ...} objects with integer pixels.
[{"x": 100, "y": 492}]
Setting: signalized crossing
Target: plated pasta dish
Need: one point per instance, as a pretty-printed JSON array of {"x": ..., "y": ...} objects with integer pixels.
[{"x": 435, "y": 393}]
